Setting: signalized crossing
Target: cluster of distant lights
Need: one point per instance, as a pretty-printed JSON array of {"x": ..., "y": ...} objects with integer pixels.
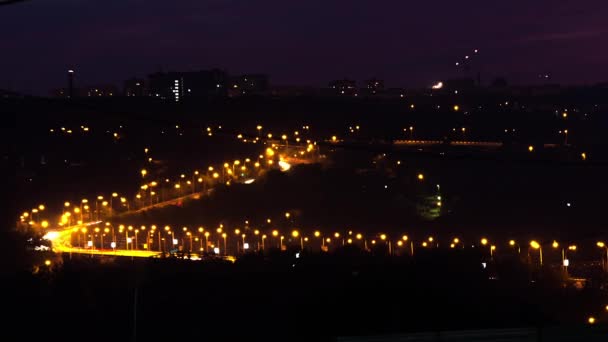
[
  {"x": 352, "y": 129},
  {"x": 69, "y": 130},
  {"x": 467, "y": 57},
  {"x": 270, "y": 153},
  {"x": 285, "y": 165},
  {"x": 83, "y": 128},
  {"x": 347, "y": 237}
]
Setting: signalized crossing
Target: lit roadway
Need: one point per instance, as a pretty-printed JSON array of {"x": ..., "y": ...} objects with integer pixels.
[{"x": 61, "y": 243}]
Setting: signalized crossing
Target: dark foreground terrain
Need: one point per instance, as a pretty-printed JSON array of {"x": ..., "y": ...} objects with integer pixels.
[{"x": 284, "y": 297}]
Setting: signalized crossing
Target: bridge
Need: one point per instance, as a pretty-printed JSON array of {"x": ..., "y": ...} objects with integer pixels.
[{"x": 457, "y": 143}]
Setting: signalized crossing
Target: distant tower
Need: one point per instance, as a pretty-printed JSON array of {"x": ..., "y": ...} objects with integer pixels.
[{"x": 70, "y": 90}]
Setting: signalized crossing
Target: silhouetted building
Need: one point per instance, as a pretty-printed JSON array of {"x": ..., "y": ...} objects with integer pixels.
[
  {"x": 343, "y": 87},
  {"x": 375, "y": 86},
  {"x": 135, "y": 87},
  {"x": 249, "y": 84},
  {"x": 102, "y": 90},
  {"x": 178, "y": 86},
  {"x": 293, "y": 91}
]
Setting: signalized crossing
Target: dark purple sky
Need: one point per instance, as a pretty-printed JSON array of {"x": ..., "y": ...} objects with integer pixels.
[{"x": 407, "y": 43}]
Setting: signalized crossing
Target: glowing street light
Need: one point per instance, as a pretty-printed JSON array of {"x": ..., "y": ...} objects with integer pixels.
[
  {"x": 601, "y": 244},
  {"x": 534, "y": 244}
]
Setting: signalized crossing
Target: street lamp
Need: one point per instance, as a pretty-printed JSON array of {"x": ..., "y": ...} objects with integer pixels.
[
  {"x": 224, "y": 235},
  {"x": 296, "y": 234},
  {"x": 601, "y": 244},
  {"x": 534, "y": 244},
  {"x": 512, "y": 243}
]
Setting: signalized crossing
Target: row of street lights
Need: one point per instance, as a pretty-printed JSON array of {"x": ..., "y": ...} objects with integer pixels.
[{"x": 349, "y": 238}]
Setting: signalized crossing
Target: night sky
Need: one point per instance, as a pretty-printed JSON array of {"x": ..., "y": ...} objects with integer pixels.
[{"x": 407, "y": 43}]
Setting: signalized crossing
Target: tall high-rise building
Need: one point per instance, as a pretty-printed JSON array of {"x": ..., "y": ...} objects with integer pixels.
[
  {"x": 178, "y": 86},
  {"x": 70, "y": 89}
]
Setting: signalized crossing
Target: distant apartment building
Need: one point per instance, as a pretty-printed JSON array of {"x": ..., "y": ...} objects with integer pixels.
[
  {"x": 293, "y": 91},
  {"x": 250, "y": 84},
  {"x": 102, "y": 90},
  {"x": 134, "y": 87},
  {"x": 343, "y": 87},
  {"x": 178, "y": 86},
  {"x": 374, "y": 86}
]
